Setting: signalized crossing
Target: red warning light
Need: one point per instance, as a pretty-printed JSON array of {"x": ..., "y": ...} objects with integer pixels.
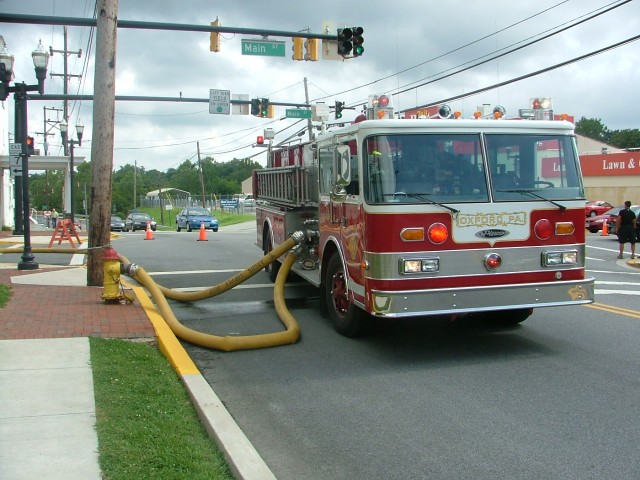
[{"x": 260, "y": 140}]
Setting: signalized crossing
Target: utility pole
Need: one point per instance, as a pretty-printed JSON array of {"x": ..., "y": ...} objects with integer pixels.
[
  {"x": 306, "y": 99},
  {"x": 65, "y": 77},
  {"x": 104, "y": 103},
  {"x": 135, "y": 178},
  {"x": 45, "y": 133},
  {"x": 45, "y": 129},
  {"x": 204, "y": 204}
]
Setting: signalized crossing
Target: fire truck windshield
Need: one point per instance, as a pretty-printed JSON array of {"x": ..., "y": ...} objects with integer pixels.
[{"x": 458, "y": 168}]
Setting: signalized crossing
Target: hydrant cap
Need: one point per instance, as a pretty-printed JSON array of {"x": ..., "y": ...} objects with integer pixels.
[{"x": 110, "y": 254}]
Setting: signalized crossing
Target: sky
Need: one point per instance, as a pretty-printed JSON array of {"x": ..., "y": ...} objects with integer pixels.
[{"x": 417, "y": 51}]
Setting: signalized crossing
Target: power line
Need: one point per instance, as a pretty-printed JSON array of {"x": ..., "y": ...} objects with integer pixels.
[{"x": 533, "y": 74}]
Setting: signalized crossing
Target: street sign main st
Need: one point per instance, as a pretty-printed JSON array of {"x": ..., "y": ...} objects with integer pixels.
[
  {"x": 297, "y": 113},
  {"x": 265, "y": 48}
]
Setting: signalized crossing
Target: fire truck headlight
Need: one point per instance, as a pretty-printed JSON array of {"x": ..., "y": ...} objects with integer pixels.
[
  {"x": 419, "y": 265},
  {"x": 554, "y": 259}
]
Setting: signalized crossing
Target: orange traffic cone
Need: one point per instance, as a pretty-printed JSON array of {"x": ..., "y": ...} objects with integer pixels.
[
  {"x": 605, "y": 229},
  {"x": 149, "y": 233},
  {"x": 203, "y": 233}
]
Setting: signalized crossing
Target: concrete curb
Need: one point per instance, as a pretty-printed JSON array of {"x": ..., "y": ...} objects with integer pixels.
[{"x": 244, "y": 460}]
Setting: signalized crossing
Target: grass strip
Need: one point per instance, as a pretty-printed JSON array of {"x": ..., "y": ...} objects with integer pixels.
[
  {"x": 147, "y": 427},
  {"x": 5, "y": 294}
]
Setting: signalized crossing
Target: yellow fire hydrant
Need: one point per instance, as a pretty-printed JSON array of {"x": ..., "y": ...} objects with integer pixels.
[{"x": 112, "y": 292}]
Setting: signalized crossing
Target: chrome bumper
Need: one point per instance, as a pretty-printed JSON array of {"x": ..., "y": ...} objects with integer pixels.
[{"x": 481, "y": 299}]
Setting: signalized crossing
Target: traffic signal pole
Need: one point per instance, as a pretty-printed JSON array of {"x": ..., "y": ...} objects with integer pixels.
[{"x": 27, "y": 261}]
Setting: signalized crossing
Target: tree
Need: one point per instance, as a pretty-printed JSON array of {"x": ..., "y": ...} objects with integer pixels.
[
  {"x": 628, "y": 138},
  {"x": 592, "y": 128}
]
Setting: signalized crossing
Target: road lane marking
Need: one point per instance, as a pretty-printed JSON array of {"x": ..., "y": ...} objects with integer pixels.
[{"x": 613, "y": 309}]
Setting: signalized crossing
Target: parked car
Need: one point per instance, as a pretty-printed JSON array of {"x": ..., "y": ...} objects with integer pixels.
[
  {"x": 138, "y": 221},
  {"x": 191, "y": 218},
  {"x": 117, "y": 224},
  {"x": 594, "y": 224},
  {"x": 635, "y": 209},
  {"x": 248, "y": 201},
  {"x": 597, "y": 208}
]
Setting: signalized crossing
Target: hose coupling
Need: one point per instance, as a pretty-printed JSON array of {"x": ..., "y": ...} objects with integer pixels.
[
  {"x": 129, "y": 269},
  {"x": 298, "y": 237}
]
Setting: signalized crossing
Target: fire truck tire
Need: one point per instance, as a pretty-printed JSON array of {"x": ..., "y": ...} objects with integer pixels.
[
  {"x": 348, "y": 320},
  {"x": 507, "y": 318},
  {"x": 273, "y": 268}
]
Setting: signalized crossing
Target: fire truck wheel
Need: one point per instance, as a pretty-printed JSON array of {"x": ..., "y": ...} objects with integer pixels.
[
  {"x": 508, "y": 318},
  {"x": 348, "y": 320},
  {"x": 273, "y": 268}
]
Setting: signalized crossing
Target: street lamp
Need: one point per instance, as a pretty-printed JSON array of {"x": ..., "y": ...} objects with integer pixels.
[
  {"x": 20, "y": 90},
  {"x": 71, "y": 142}
]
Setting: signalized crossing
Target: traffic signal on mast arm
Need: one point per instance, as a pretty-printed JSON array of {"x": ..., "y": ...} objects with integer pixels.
[
  {"x": 214, "y": 45},
  {"x": 357, "y": 41},
  {"x": 255, "y": 107},
  {"x": 339, "y": 108},
  {"x": 311, "y": 49},
  {"x": 30, "y": 146},
  {"x": 264, "y": 108},
  {"x": 297, "y": 48},
  {"x": 344, "y": 41}
]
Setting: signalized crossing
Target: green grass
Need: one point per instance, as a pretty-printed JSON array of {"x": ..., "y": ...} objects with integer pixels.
[
  {"x": 224, "y": 218},
  {"x": 147, "y": 427},
  {"x": 5, "y": 294}
]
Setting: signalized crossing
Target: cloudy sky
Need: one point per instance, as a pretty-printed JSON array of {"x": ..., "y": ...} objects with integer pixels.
[{"x": 410, "y": 45}]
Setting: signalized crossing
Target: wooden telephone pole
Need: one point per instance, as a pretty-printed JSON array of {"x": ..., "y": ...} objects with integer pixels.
[{"x": 104, "y": 90}]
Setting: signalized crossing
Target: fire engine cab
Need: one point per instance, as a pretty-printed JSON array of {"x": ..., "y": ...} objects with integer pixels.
[{"x": 418, "y": 217}]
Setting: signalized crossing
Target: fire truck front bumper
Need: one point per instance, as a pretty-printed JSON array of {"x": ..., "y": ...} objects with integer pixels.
[{"x": 481, "y": 299}]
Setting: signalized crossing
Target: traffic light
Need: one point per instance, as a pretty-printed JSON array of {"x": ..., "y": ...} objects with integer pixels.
[
  {"x": 30, "y": 146},
  {"x": 255, "y": 107},
  {"x": 297, "y": 48},
  {"x": 260, "y": 140},
  {"x": 311, "y": 49},
  {"x": 214, "y": 45},
  {"x": 339, "y": 108},
  {"x": 357, "y": 41},
  {"x": 344, "y": 41},
  {"x": 264, "y": 108}
]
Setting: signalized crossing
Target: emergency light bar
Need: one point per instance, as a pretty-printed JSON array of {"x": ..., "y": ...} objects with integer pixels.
[{"x": 379, "y": 107}]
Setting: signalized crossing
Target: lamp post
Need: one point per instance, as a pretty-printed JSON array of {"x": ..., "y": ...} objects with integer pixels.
[
  {"x": 20, "y": 90},
  {"x": 71, "y": 142}
]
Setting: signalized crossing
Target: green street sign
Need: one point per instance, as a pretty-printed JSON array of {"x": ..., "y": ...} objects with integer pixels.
[
  {"x": 297, "y": 113},
  {"x": 265, "y": 48}
]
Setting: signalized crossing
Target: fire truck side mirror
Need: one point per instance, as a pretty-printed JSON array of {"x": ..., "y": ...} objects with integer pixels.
[{"x": 343, "y": 165}]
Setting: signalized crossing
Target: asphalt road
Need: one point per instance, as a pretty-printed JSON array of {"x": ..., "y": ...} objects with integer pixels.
[{"x": 557, "y": 397}]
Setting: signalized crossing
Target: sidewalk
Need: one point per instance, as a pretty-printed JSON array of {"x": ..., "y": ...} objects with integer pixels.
[{"x": 47, "y": 422}]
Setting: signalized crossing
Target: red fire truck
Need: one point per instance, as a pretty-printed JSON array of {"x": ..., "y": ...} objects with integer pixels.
[{"x": 417, "y": 217}]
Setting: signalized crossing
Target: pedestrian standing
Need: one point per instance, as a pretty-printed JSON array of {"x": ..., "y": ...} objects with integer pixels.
[
  {"x": 626, "y": 229},
  {"x": 54, "y": 218},
  {"x": 47, "y": 217}
]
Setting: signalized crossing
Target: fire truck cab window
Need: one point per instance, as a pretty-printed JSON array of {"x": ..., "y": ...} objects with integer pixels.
[
  {"x": 520, "y": 165},
  {"x": 422, "y": 168},
  {"x": 326, "y": 169}
]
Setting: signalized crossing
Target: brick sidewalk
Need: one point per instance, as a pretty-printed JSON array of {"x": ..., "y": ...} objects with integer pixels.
[{"x": 36, "y": 311}]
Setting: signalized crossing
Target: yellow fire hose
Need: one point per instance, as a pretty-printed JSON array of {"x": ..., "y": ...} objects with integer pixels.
[{"x": 228, "y": 343}]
